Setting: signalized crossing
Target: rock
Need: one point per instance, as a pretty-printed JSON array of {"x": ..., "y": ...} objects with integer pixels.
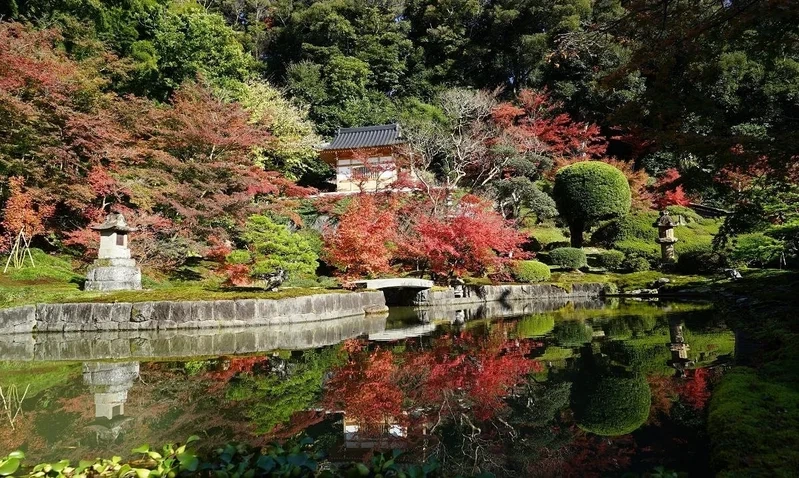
[{"x": 660, "y": 283}]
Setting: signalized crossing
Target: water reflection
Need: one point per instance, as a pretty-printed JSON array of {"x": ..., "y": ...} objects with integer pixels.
[
  {"x": 557, "y": 389},
  {"x": 109, "y": 382},
  {"x": 679, "y": 349}
]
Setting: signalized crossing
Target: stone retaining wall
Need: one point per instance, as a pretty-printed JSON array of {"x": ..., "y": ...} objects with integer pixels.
[
  {"x": 164, "y": 315},
  {"x": 504, "y": 293}
]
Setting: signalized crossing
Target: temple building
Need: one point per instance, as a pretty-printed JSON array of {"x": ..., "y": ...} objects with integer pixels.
[{"x": 364, "y": 159}]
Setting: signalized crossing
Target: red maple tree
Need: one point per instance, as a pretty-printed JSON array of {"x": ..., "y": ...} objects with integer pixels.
[
  {"x": 668, "y": 191},
  {"x": 360, "y": 245},
  {"x": 471, "y": 238}
]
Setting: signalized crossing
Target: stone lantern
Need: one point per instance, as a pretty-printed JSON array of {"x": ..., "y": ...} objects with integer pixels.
[
  {"x": 666, "y": 239},
  {"x": 113, "y": 269}
]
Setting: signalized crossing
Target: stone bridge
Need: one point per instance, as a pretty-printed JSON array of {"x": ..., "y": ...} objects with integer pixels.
[{"x": 398, "y": 290}]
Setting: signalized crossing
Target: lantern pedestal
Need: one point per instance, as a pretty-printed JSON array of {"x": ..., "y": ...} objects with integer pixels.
[{"x": 113, "y": 269}]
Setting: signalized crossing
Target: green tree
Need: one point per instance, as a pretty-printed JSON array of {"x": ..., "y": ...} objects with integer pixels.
[
  {"x": 192, "y": 42},
  {"x": 293, "y": 385},
  {"x": 292, "y": 149},
  {"x": 590, "y": 191},
  {"x": 274, "y": 246}
]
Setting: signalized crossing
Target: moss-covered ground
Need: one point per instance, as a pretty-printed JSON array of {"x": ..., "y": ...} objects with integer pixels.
[
  {"x": 753, "y": 421},
  {"x": 54, "y": 280}
]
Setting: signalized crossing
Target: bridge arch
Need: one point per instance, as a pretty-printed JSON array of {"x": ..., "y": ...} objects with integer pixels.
[{"x": 398, "y": 290}]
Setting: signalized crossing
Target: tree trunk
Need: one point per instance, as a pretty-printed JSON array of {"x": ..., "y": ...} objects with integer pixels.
[{"x": 576, "y": 230}]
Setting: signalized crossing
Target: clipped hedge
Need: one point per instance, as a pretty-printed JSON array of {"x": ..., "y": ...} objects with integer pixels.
[
  {"x": 531, "y": 271},
  {"x": 635, "y": 236},
  {"x": 568, "y": 257},
  {"x": 590, "y": 191},
  {"x": 610, "y": 260},
  {"x": 638, "y": 248},
  {"x": 755, "y": 249}
]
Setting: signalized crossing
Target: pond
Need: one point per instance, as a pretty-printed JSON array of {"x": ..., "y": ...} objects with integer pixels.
[{"x": 522, "y": 389}]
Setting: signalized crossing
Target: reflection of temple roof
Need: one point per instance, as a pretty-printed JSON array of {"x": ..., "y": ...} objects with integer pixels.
[{"x": 114, "y": 222}]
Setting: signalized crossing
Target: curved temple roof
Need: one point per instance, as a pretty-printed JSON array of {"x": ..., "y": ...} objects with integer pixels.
[{"x": 366, "y": 137}]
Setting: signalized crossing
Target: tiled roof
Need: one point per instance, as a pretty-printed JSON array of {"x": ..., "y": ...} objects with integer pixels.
[{"x": 366, "y": 137}]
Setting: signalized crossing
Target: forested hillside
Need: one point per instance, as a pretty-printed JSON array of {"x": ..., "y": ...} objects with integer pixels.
[{"x": 196, "y": 114}]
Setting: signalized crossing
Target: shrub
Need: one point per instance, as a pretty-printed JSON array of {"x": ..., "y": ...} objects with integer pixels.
[
  {"x": 614, "y": 406},
  {"x": 568, "y": 257},
  {"x": 630, "y": 227},
  {"x": 638, "y": 248},
  {"x": 590, "y": 191},
  {"x": 274, "y": 247},
  {"x": 573, "y": 333},
  {"x": 755, "y": 249},
  {"x": 637, "y": 264},
  {"x": 531, "y": 271},
  {"x": 701, "y": 261},
  {"x": 610, "y": 260},
  {"x": 238, "y": 256},
  {"x": 535, "y": 326},
  {"x": 546, "y": 235}
]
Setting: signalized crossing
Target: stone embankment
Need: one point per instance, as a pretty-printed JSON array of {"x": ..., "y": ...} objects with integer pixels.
[
  {"x": 507, "y": 293},
  {"x": 166, "y": 315}
]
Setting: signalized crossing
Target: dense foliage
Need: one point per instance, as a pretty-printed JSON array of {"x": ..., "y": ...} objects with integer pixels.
[{"x": 162, "y": 109}]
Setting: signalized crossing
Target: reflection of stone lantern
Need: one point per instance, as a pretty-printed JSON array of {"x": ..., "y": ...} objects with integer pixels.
[
  {"x": 110, "y": 383},
  {"x": 666, "y": 239},
  {"x": 113, "y": 269},
  {"x": 679, "y": 349}
]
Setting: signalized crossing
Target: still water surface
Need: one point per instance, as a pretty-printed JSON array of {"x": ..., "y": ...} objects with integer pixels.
[{"x": 527, "y": 389}]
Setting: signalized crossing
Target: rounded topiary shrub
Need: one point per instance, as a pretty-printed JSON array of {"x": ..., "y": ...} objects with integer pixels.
[
  {"x": 568, "y": 257},
  {"x": 531, "y": 271},
  {"x": 636, "y": 264},
  {"x": 590, "y": 191},
  {"x": 610, "y": 260},
  {"x": 535, "y": 326},
  {"x": 614, "y": 406},
  {"x": 573, "y": 333}
]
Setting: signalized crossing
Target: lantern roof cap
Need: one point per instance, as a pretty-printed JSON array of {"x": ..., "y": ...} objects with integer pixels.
[
  {"x": 665, "y": 220},
  {"x": 115, "y": 221}
]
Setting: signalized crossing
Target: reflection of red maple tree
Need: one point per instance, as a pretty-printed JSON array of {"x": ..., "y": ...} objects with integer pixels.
[
  {"x": 476, "y": 370},
  {"x": 365, "y": 389},
  {"x": 591, "y": 455},
  {"x": 663, "y": 397},
  {"x": 695, "y": 391},
  {"x": 462, "y": 372},
  {"x": 231, "y": 368}
]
